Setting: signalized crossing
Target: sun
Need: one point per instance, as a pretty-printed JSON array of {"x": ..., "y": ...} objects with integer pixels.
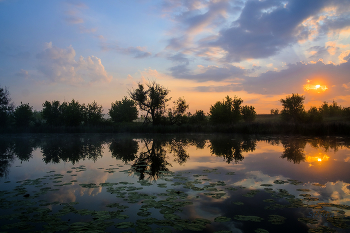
[
  {"x": 315, "y": 87},
  {"x": 319, "y": 159}
]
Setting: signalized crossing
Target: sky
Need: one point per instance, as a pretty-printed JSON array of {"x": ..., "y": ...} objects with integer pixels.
[{"x": 258, "y": 50}]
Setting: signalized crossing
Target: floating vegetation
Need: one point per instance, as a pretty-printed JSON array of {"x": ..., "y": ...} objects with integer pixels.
[
  {"x": 308, "y": 220},
  {"x": 276, "y": 219},
  {"x": 238, "y": 203},
  {"x": 90, "y": 185},
  {"x": 251, "y": 193},
  {"x": 222, "y": 219},
  {"x": 280, "y": 182},
  {"x": 260, "y": 230},
  {"x": 304, "y": 190},
  {"x": 319, "y": 185},
  {"x": 230, "y": 173},
  {"x": 248, "y": 218},
  {"x": 321, "y": 229}
]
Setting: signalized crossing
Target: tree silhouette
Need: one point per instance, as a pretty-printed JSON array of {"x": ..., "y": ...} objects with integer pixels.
[
  {"x": 23, "y": 114},
  {"x": 293, "y": 108},
  {"x": 123, "y": 111},
  {"x": 226, "y": 112},
  {"x": 6, "y": 107},
  {"x": 151, "y": 99}
]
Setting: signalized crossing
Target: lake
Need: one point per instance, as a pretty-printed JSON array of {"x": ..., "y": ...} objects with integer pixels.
[{"x": 174, "y": 183}]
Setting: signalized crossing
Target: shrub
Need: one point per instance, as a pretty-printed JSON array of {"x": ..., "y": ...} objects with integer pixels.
[
  {"x": 23, "y": 114},
  {"x": 248, "y": 113},
  {"x": 123, "y": 111},
  {"x": 293, "y": 108},
  {"x": 227, "y": 111}
]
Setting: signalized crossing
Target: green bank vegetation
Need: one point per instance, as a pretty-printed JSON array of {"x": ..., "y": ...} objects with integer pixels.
[{"x": 226, "y": 116}]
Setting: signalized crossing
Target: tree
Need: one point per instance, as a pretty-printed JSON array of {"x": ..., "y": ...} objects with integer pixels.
[
  {"x": 293, "y": 108},
  {"x": 227, "y": 111},
  {"x": 72, "y": 113},
  {"x": 93, "y": 113},
  {"x": 6, "y": 107},
  {"x": 176, "y": 115},
  {"x": 313, "y": 115},
  {"x": 152, "y": 100},
  {"x": 51, "y": 113},
  {"x": 274, "y": 111},
  {"x": 248, "y": 113},
  {"x": 198, "y": 117},
  {"x": 23, "y": 114},
  {"x": 123, "y": 111}
]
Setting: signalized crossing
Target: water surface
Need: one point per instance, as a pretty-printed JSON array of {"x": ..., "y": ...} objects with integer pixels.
[{"x": 174, "y": 183}]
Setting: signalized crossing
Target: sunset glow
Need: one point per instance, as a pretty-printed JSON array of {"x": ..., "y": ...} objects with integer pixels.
[
  {"x": 317, "y": 87},
  {"x": 199, "y": 50},
  {"x": 317, "y": 158}
]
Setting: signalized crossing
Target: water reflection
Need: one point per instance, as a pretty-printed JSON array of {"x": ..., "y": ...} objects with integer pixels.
[
  {"x": 231, "y": 148},
  {"x": 203, "y": 177},
  {"x": 149, "y": 154}
]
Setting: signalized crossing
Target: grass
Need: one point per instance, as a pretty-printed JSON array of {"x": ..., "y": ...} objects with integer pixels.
[{"x": 264, "y": 124}]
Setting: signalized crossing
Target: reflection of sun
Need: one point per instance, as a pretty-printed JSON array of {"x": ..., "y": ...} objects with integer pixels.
[{"x": 317, "y": 158}]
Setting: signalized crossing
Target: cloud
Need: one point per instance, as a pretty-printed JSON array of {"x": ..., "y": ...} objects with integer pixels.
[
  {"x": 252, "y": 29},
  {"x": 59, "y": 65},
  {"x": 22, "y": 73},
  {"x": 136, "y": 52},
  {"x": 208, "y": 73},
  {"x": 179, "y": 58},
  {"x": 74, "y": 20}
]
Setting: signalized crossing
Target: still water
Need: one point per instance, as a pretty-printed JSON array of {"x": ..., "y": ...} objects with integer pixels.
[{"x": 174, "y": 183}]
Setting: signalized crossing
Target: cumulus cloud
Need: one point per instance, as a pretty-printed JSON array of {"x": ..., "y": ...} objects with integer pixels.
[
  {"x": 59, "y": 65},
  {"x": 136, "y": 52}
]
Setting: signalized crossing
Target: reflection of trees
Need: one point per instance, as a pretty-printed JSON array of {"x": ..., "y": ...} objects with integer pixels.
[
  {"x": 124, "y": 149},
  {"x": 330, "y": 143},
  {"x": 71, "y": 149},
  {"x": 178, "y": 149},
  {"x": 6, "y": 156},
  {"x": 294, "y": 149},
  {"x": 153, "y": 160},
  {"x": 231, "y": 149}
]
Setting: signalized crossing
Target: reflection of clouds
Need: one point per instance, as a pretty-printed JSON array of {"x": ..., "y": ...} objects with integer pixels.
[
  {"x": 255, "y": 178},
  {"x": 92, "y": 176},
  {"x": 65, "y": 195}
]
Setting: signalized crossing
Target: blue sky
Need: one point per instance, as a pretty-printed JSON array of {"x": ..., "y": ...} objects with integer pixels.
[{"x": 260, "y": 51}]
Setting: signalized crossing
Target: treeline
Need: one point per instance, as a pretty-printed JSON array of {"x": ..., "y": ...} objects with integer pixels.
[{"x": 152, "y": 99}]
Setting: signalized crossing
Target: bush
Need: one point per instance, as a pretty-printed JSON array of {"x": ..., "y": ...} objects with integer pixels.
[
  {"x": 123, "y": 111},
  {"x": 248, "y": 113},
  {"x": 198, "y": 118},
  {"x": 51, "y": 113},
  {"x": 93, "y": 114},
  {"x": 72, "y": 113},
  {"x": 226, "y": 112},
  {"x": 313, "y": 115},
  {"x": 23, "y": 114},
  {"x": 293, "y": 108}
]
